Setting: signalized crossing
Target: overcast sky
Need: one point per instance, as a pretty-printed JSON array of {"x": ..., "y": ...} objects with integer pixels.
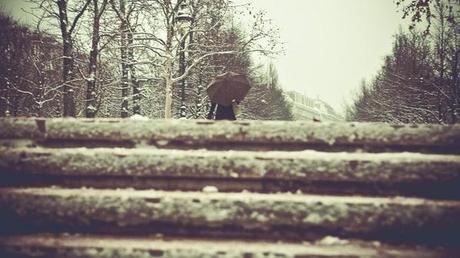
[{"x": 330, "y": 44}]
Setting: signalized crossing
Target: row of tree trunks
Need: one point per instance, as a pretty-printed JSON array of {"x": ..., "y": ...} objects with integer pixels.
[
  {"x": 127, "y": 60},
  {"x": 156, "y": 59}
]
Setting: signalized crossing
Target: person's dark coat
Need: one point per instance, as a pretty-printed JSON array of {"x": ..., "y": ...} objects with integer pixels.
[{"x": 221, "y": 112}]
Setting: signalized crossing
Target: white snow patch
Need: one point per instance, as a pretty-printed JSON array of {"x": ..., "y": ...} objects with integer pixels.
[
  {"x": 330, "y": 240},
  {"x": 234, "y": 175},
  {"x": 138, "y": 117},
  {"x": 91, "y": 108},
  {"x": 210, "y": 189}
]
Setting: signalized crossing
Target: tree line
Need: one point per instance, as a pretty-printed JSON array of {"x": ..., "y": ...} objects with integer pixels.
[
  {"x": 117, "y": 58},
  {"x": 419, "y": 81}
]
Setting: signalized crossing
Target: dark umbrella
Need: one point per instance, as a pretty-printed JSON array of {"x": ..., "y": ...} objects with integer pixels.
[{"x": 228, "y": 87}]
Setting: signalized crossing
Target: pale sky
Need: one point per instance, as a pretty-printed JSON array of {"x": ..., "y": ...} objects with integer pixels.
[{"x": 330, "y": 44}]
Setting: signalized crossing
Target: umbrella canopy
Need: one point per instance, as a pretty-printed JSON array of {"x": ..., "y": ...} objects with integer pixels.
[{"x": 228, "y": 87}]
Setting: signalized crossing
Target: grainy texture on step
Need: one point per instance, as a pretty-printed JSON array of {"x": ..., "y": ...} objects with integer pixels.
[
  {"x": 316, "y": 158},
  {"x": 247, "y": 211},
  {"x": 300, "y": 165},
  {"x": 272, "y": 133},
  {"x": 137, "y": 247}
]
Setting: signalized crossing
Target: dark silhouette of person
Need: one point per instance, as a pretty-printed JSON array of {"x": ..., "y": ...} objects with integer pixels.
[{"x": 221, "y": 112}]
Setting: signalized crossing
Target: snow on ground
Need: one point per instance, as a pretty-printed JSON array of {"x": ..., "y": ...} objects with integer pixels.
[{"x": 138, "y": 117}]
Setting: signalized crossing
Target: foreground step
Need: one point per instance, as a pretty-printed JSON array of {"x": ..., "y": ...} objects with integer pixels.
[
  {"x": 52, "y": 246},
  {"x": 294, "y": 135},
  {"x": 312, "y": 171},
  {"x": 243, "y": 214}
]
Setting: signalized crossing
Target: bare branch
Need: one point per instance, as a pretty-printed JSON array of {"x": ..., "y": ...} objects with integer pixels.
[{"x": 77, "y": 17}]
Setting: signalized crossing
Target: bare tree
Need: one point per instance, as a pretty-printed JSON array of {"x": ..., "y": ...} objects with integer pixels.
[
  {"x": 30, "y": 71},
  {"x": 148, "y": 42},
  {"x": 67, "y": 27},
  {"x": 422, "y": 10},
  {"x": 166, "y": 43},
  {"x": 125, "y": 13},
  {"x": 91, "y": 95},
  {"x": 403, "y": 91}
]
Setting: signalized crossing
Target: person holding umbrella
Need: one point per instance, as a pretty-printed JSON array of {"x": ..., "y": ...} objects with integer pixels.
[
  {"x": 226, "y": 91},
  {"x": 221, "y": 112}
]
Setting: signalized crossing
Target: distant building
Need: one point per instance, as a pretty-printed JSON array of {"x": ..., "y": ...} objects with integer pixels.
[{"x": 306, "y": 108}]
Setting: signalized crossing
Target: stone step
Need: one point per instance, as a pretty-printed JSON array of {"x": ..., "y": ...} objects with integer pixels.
[
  {"x": 253, "y": 215},
  {"x": 258, "y": 135},
  {"x": 91, "y": 246},
  {"x": 307, "y": 171}
]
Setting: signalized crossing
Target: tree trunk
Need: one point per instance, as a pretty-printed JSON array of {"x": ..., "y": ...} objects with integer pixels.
[
  {"x": 183, "y": 83},
  {"x": 68, "y": 61},
  {"x": 92, "y": 69},
  {"x": 168, "y": 72},
  {"x": 198, "y": 99},
  {"x": 455, "y": 108},
  {"x": 136, "y": 94},
  {"x": 124, "y": 64},
  {"x": 135, "y": 84},
  {"x": 169, "y": 88}
]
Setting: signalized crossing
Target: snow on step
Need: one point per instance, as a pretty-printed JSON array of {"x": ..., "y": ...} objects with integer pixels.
[
  {"x": 297, "y": 134},
  {"x": 300, "y": 165},
  {"x": 125, "y": 208},
  {"x": 91, "y": 246}
]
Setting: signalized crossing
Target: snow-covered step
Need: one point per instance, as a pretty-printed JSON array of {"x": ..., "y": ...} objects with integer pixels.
[
  {"x": 308, "y": 171},
  {"x": 258, "y": 135},
  {"x": 91, "y": 246},
  {"x": 229, "y": 214}
]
